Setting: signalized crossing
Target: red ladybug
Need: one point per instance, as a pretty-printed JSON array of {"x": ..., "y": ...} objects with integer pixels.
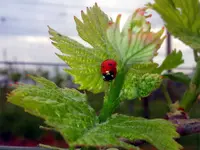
[{"x": 109, "y": 69}]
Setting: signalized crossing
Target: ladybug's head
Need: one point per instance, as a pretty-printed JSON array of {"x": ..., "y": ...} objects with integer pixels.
[{"x": 108, "y": 69}]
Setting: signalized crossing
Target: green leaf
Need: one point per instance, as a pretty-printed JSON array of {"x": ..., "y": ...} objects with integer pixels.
[
  {"x": 93, "y": 27},
  {"x": 181, "y": 19},
  {"x": 136, "y": 22},
  {"x": 143, "y": 68},
  {"x": 173, "y": 60},
  {"x": 66, "y": 111},
  {"x": 139, "y": 85},
  {"x": 101, "y": 136},
  {"x": 134, "y": 128},
  {"x": 84, "y": 62},
  {"x": 148, "y": 83},
  {"x": 140, "y": 81},
  {"x": 179, "y": 77},
  {"x": 94, "y": 23},
  {"x": 135, "y": 43}
]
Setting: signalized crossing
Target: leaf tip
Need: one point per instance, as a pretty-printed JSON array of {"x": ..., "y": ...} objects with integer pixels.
[
  {"x": 118, "y": 19},
  {"x": 10, "y": 95},
  {"x": 147, "y": 22},
  {"x": 75, "y": 18},
  {"x": 95, "y": 4},
  {"x": 119, "y": 15},
  {"x": 110, "y": 23}
]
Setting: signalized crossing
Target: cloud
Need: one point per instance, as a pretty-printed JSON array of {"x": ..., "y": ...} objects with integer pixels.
[{"x": 24, "y": 33}]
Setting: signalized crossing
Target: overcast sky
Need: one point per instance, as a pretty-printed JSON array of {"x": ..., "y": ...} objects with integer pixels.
[{"x": 23, "y": 26}]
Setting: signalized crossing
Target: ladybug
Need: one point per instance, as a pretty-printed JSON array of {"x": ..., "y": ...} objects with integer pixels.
[{"x": 109, "y": 69}]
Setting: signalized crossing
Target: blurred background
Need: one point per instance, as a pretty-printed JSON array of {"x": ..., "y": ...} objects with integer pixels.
[{"x": 25, "y": 48}]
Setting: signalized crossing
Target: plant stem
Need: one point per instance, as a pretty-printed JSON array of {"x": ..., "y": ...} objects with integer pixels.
[
  {"x": 166, "y": 94},
  {"x": 112, "y": 100},
  {"x": 190, "y": 96}
]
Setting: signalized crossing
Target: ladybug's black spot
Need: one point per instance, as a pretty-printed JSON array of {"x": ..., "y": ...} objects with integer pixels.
[
  {"x": 110, "y": 64},
  {"x": 108, "y": 77}
]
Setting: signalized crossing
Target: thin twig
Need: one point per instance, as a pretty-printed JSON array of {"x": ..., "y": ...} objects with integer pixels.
[{"x": 166, "y": 94}]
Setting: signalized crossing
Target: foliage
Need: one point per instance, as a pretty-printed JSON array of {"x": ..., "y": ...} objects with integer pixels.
[
  {"x": 135, "y": 43},
  {"x": 181, "y": 19},
  {"x": 66, "y": 110},
  {"x": 49, "y": 102},
  {"x": 85, "y": 62},
  {"x": 137, "y": 86},
  {"x": 172, "y": 60},
  {"x": 133, "y": 48}
]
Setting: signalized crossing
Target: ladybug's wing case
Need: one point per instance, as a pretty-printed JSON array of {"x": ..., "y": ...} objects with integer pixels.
[
  {"x": 108, "y": 69},
  {"x": 108, "y": 65}
]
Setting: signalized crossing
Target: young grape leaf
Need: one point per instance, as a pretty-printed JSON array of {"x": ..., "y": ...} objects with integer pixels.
[
  {"x": 136, "y": 43},
  {"x": 134, "y": 128},
  {"x": 66, "y": 111},
  {"x": 173, "y": 60},
  {"x": 137, "y": 22},
  {"x": 181, "y": 19},
  {"x": 143, "y": 68},
  {"x": 178, "y": 77},
  {"x": 92, "y": 29},
  {"x": 139, "y": 85},
  {"x": 140, "y": 81},
  {"x": 85, "y": 62}
]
